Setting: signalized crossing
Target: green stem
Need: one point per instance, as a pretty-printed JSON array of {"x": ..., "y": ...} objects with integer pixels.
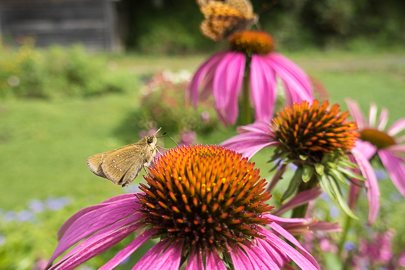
[
  {"x": 346, "y": 227},
  {"x": 246, "y": 112},
  {"x": 300, "y": 211}
]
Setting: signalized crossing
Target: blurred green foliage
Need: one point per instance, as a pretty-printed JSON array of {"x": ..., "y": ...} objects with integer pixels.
[
  {"x": 57, "y": 72},
  {"x": 171, "y": 26}
]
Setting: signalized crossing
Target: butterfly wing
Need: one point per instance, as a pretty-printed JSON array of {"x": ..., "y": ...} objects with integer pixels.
[
  {"x": 126, "y": 160},
  {"x": 223, "y": 18},
  {"x": 94, "y": 163}
]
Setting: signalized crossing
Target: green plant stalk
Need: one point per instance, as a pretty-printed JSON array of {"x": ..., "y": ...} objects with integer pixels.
[
  {"x": 346, "y": 227},
  {"x": 300, "y": 211},
  {"x": 246, "y": 112}
]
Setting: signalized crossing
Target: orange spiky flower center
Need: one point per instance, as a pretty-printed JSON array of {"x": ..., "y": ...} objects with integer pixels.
[
  {"x": 377, "y": 137},
  {"x": 206, "y": 196},
  {"x": 312, "y": 130},
  {"x": 251, "y": 42}
]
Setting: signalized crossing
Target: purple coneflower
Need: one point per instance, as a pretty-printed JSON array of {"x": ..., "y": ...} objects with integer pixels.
[
  {"x": 378, "y": 140},
  {"x": 205, "y": 205},
  {"x": 318, "y": 140},
  {"x": 249, "y": 63}
]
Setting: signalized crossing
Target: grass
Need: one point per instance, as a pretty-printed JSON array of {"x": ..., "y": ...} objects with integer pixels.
[{"x": 44, "y": 144}]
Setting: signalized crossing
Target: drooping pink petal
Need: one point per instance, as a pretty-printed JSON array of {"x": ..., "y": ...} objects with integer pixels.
[
  {"x": 382, "y": 122},
  {"x": 397, "y": 150},
  {"x": 237, "y": 68},
  {"x": 248, "y": 143},
  {"x": 354, "y": 193},
  {"x": 372, "y": 116},
  {"x": 164, "y": 255},
  {"x": 213, "y": 262},
  {"x": 92, "y": 221},
  {"x": 295, "y": 71},
  {"x": 301, "y": 257},
  {"x": 395, "y": 168},
  {"x": 356, "y": 113},
  {"x": 373, "y": 191},
  {"x": 295, "y": 90},
  {"x": 240, "y": 261},
  {"x": 299, "y": 199},
  {"x": 128, "y": 250},
  {"x": 86, "y": 210},
  {"x": 261, "y": 127},
  {"x": 227, "y": 84},
  {"x": 279, "y": 258},
  {"x": 263, "y": 88},
  {"x": 195, "y": 261},
  {"x": 397, "y": 127},
  {"x": 367, "y": 149},
  {"x": 94, "y": 245},
  {"x": 260, "y": 257},
  {"x": 199, "y": 79}
]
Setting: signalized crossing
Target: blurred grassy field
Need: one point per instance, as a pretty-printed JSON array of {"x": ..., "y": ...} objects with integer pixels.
[{"x": 44, "y": 144}]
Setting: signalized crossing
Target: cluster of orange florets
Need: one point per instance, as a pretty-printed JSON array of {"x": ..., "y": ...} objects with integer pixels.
[
  {"x": 205, "y": 195},
  {"x": 252, "y": 42},
  {"x": 306, "y": 129}
]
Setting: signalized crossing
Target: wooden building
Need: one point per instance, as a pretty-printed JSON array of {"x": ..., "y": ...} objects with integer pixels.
[{"x": 92, "y": 23}]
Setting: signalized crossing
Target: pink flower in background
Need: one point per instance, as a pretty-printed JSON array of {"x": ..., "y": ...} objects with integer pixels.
[
  {"x": 251, "y": 54},
  {"x": 385, "y": 142},
  {"x": 188, "y": 137},
  {"x": 194, "y": 204},
  {"x": 304, "y": 134}
]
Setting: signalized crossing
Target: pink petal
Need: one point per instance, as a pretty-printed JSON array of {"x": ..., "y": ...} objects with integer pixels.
[
  {"x": 299, "y": 199},
  {"x": 213, "y": 262},
  {"x": 162, "y": 256},
  {"x": 397, "y": 150},
  {"x": 94, "y": 245},
  {"x": 82, "y": 212},
  {"x": 382, "y": 122},
  {"x": 195, "y": 261},
  {"x": 240, "y": 260},
  {"x": 295, "y": 71},
  {"x": 356, "y": 113},
  {"x": 263, "y": 88},
  {"x": 372, "y": 117},
  {"x": 395, "y": 168},
  {"x": 295, "y": 90},
  {"x": 277, "y": 257},
  {"x": 257, "y": 127},
  {"x": 397, "y": 127},
  {"x": 373, "y": 192},
  {"x": 128, "y": 250},
  {"x": 227, "y": 84},
  {"x": 93, "y": 221},
  {"x": 248, "y": 144},
  {"x": 367, "y": 149},
  {"x": 260, "y": 257},
  {"x": 199, "y": 79},
  {"x": 304, "y": 260}
]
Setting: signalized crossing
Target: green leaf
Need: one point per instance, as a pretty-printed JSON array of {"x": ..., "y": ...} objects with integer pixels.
[
  {"x": 319, "y": 168},
  {"x": 338, "y": 176},
  {"x": 293, "y": 185},
  {"x": 351, "y": 174},
  {"x": 307, "y": 173},
  {"x": 332, "y": 188}
]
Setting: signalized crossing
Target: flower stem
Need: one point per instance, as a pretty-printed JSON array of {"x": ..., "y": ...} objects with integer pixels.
[
  {"x": 246, "y": 112},
  {"x": 346, "y": 227},
  {"x": 300, "y": 211}
]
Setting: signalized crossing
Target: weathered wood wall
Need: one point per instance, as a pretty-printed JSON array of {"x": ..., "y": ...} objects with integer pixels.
[{"x": 89, "y": 22}]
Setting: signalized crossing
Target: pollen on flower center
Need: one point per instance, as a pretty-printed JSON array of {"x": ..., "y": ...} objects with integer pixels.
[
  {"x": 312, "y": 130},
  {"x": 251, "y": 42},
  {"x": 376, "y": 137},
  {"x": 206, "y": 196}
]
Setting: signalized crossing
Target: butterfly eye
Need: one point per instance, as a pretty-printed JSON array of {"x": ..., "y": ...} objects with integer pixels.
[{"x": 149, "y": 140}]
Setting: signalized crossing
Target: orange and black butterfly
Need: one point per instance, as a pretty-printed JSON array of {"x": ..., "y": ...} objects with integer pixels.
[{"x": 222, "y": 18}]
